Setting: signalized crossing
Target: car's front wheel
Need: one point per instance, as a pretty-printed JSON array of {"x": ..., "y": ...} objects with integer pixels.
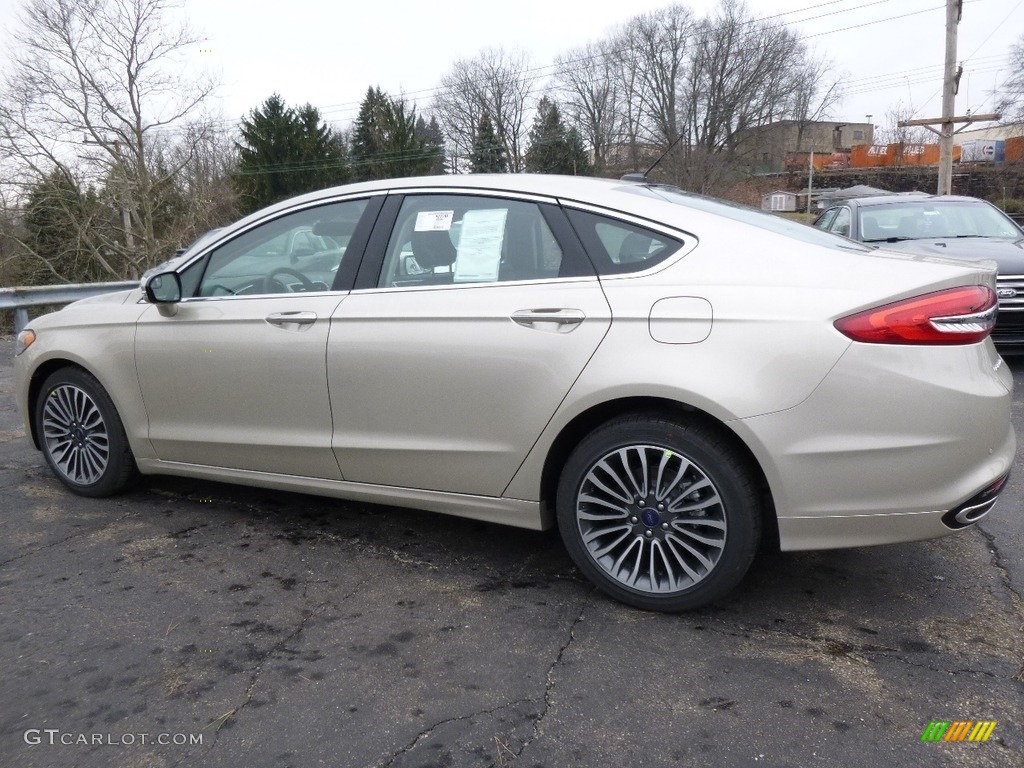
[
  {"x": 661, "y": 515},
  {"x": 81, "y": 435}
]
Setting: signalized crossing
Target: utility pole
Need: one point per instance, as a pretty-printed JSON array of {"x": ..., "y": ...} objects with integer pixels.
[
  {"x": 810, "y": 180},
  {"x": 950, "y": 86}
]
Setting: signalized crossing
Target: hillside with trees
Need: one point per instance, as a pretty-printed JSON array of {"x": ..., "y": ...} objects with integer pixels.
[{"x": 113, "y": 157}]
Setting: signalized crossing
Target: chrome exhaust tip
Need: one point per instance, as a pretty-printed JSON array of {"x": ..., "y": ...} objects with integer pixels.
[{"x": 976, "y": 507}]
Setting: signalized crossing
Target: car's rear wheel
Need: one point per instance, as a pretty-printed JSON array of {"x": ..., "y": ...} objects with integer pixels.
[
  {"x": 661, "y": 515},
  {"x": 81, "y": 434}
]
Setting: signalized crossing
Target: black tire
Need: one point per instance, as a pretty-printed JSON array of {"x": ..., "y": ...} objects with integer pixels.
[
  {"x": 689, "y": 531},
  {"x": 81, "y": 435}
]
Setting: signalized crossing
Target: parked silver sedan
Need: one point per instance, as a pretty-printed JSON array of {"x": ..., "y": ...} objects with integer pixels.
[
  {"x": 669, "y": 379},
  {"x": 961, "y": 228}
]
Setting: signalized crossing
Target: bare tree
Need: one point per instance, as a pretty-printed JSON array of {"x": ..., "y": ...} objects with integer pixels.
[
  {"x": 894, "y": 133},
  {"x": 629, "y": 83},
  {"x": 589, "y": 93},
  {"x": 1012, "y": 102},
  {"x": 738, "y": 79},
  {"x": 498, "y": 83},
  {"x": 814, "y": 90},
  {"x": 91, "y": 85},
  {"x": 204, "y": 152},
  {"x": 661, "y": 40}
]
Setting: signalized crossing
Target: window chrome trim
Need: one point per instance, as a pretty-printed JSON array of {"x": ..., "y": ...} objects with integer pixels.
[{"x": 463, "y": 286}]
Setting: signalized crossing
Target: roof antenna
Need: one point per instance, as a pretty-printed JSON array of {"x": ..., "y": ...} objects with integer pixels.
[{"x": 642, "y": 177}]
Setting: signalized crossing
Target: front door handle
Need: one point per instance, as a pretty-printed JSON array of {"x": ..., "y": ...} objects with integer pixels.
[
  {"x": 292, "y": 321},
  {"x": 559, "y": 320}
]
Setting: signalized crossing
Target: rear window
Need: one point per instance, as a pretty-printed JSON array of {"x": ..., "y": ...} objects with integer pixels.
[{"x": 752, "y": 216}]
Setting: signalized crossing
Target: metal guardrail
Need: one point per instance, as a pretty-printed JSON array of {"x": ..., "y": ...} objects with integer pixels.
[{"x": 20, "y": 299}]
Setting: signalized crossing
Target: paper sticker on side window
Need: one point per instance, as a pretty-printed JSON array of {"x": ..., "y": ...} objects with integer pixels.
[
  {"x": 434, "y": 221},
  {"x": 479, "y": 252}
]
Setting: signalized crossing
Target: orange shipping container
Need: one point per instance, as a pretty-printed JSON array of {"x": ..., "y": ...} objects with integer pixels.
[
  {"x": 1015, "y": 149},
  {"x": 868, "y": 156},
  {"x": 920, "y": 154}
]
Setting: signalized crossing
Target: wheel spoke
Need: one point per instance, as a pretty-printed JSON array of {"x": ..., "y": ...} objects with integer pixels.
[
  {"x": 624, "y": 497},
  {"x": 707, "y": 522},
  {"x": 710, "y": 541},
  {"x": 663, "y": 493},
  {"x": 596, "y": 532},
  {"x": 621, "y": 508},
  {"x": 694, "y": 576},
  {"x": 639, "y": 488},
  {"x": 622, "y": 558},
  {"x": 704, "y": 560}
]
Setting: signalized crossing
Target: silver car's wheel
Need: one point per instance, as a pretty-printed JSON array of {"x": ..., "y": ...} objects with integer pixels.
[
  {"x": 651, "y": 519},
  {"x": 81, "y": 435},
  {"x": 75, "y": 434},
  {"x": 660, "y": 515}
]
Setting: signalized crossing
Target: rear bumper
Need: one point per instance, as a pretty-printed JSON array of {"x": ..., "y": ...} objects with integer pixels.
[
  {"x": 917, "y": 432},
  {"x": 841, "y": 531}
]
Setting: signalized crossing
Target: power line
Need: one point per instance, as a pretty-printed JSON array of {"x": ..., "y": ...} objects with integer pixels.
[{"x": 342, "y": 112}]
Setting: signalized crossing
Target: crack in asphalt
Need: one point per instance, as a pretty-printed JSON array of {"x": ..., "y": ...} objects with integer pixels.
[
  {"x": 549, "y": 686},
  {"x": 257, "y": 671},
  {"x": 997, "y": 561},
  {"x": 426, "y": 733},
  {"x": 1015, "y": 597},
  {"x": 76, "y": 535}
]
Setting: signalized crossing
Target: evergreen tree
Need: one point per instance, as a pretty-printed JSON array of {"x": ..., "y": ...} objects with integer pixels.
[
  {"x": 366, "y": 139},
  {"x": 388, "y": 141},
  {"x": 285, "y": 152},
  {"x": 432, "y": 137},
  {"x": 60, "y": 231},
  {"x": 488, "y": 153},
  {"x": 578, "y": 157},
  {"x": 553, "y": 148}
]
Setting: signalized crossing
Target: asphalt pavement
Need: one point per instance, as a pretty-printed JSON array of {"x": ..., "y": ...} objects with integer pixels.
[{"x": 188, "y": 623}]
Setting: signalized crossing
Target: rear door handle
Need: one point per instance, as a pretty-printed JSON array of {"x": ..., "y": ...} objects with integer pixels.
[
  {"x": 292, "y": 321},
  {"x": 560, "y": 320}
]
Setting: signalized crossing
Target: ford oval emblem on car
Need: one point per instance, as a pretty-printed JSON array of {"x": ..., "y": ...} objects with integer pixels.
[{"x": 1006, "y": 293}]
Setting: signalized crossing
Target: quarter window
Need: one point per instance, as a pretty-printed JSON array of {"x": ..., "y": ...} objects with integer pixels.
[
  {"x": 841, "y": 226},
  {"x": 297, "y": 252},
  {"x": 618, "y": 247},
  {"x": 825, "y": 222}
]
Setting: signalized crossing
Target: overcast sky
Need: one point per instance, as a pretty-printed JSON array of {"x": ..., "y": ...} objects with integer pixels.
[{"x": 327, "y": 53}]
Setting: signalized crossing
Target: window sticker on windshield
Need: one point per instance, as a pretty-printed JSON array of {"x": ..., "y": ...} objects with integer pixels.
[
  {"x": 434, "y": 221},
  {"x": 480, "y": 246}
]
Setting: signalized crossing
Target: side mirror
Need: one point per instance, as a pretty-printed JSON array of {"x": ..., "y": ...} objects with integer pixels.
[{"x": 164, "y": 288}]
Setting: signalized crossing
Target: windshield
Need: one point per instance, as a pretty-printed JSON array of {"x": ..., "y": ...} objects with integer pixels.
[
  {"x": 752, "y": 216},
  {"x": 918, "y": 219}
]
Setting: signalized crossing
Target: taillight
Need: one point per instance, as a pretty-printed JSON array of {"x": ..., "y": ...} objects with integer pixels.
[{"x": 954, "y": 316}]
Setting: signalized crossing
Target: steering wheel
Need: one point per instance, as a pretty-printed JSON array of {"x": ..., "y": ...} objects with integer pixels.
[{"x": 270, "y": 285}]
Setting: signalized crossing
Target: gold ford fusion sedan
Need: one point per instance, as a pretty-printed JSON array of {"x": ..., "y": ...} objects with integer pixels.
[{"x": 669, "y": 379}]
